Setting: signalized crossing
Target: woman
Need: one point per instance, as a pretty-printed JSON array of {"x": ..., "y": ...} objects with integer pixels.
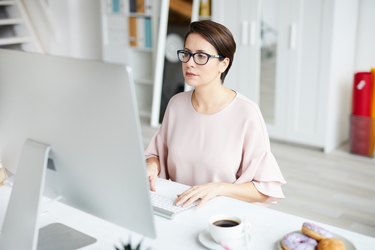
[{"x": 213, "y": 138}]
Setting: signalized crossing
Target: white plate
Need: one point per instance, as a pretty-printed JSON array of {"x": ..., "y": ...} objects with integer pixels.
[
  {"x": 206, "y": 240},
  {"x": 347, "y": 243}
]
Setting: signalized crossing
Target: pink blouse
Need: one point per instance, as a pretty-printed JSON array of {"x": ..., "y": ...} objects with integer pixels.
[{"x": 230, "y": 146}]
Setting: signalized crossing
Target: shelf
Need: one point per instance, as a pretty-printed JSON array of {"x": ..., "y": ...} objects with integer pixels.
[
  {"x": 141, "y": 49},
  {"x": 116, "y": 14},
  {"x": 135, "y": 14},
  {"x": 145, "y": 113},
  {"x": 10, "y": 21},
  {"x": 14, "y": 40},
  {"x": 144, "y": 81},
  {"x": 5, "y": 3},
  {"x": 204, "y": 17}
]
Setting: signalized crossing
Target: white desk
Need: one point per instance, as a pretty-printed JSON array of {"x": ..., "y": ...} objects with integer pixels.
[{"x": 182, "y": 232}]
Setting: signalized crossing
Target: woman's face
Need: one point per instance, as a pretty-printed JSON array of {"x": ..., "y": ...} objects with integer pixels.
[{"x": 199, "y": 75}]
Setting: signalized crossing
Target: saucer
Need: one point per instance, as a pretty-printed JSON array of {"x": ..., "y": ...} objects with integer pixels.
[{"x": 206, "y": 240}]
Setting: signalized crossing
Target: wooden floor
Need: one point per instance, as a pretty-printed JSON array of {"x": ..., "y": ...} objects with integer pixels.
[{"x": 336, "y": 188}]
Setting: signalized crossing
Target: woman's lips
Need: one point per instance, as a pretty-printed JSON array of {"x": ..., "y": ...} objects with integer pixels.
[{"x": 189, "y": 74}]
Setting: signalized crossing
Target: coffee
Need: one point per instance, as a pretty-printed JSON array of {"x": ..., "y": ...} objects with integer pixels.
[
  {"x": 226, "y": 223},
  {"x": 226, "y": 229}
]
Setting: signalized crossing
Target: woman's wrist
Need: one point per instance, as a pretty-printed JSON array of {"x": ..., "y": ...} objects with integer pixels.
[{"x": 153, "y": 168}]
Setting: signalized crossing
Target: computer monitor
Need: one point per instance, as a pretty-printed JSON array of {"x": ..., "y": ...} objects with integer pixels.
[{"x": 82, "y": 116}]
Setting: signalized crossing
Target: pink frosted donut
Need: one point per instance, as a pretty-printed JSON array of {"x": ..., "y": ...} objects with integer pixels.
[
  {"x": 298, "y": 241},
  {"x": 316, "y": 232}
]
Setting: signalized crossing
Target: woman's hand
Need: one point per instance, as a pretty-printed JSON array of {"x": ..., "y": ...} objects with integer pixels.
[
  {"x": 152, "y": 172},
  {"x": 200, "y": 194}
]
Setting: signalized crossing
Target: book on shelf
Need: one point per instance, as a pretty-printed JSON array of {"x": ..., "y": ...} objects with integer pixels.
[
  {"x": 133, "y": 31},
  {"x": 115, "y": 6},
  {"x": 132, "y": 6},
  {"x": 142, "y": 7},
  {"x": 140, "y": 32},
  {"x": 205, "y": 8},
  {"x": 148, "y": 32},
  {"x": 148, "y": 7}
]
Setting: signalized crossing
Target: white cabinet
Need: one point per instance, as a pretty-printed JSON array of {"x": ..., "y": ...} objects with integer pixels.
[
  {"x": 129, "y": 37},
  {"x": 297, "y": 114},
  {"x": 242, "y": 17},
  {"x": 304, "y": 91}
]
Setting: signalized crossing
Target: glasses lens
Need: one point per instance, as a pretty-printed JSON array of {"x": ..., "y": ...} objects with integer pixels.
[
  {"x": 183, "y": 56},
  {"x": 201, "y": 58}
]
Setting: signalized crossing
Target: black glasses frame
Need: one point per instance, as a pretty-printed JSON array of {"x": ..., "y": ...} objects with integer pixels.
[{"x": 185, "y": 52}]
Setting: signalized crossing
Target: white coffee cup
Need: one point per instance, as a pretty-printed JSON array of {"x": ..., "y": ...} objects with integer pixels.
[{"x": 226, "y": 229}]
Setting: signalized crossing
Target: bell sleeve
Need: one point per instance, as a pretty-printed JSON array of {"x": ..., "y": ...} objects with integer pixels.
[{"x": 258, "y": 163}]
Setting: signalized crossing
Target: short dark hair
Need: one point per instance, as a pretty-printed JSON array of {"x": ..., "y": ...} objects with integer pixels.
[{"x": 218, "y": 36}]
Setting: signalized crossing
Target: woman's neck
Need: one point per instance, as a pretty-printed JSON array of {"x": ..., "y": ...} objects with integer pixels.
[{"x": 209, "y": 100}]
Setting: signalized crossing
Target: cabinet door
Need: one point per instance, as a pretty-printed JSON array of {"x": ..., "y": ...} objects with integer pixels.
[
  {"x": 303, "y": 121},
  {"x": 274, "y": 64},
  {"x": 242, "y": 19},
  {"x": 293, "y": 114}
]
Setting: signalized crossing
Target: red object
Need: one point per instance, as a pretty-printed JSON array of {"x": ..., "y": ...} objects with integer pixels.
[
  {"x": 362, "y": 86},
  {"x": 360, "y": 131}
]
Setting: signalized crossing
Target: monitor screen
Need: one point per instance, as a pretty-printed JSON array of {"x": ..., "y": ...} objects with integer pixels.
[{"x": 86, "y": 112}]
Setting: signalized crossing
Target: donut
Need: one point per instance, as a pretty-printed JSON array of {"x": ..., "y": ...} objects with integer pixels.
[
  {"x": 314, "y": 231},
  {"x": 331, "y": 244},
  {"x": 298, "y": 241}
]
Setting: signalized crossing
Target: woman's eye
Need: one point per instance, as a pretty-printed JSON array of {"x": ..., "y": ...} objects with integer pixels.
[{"x": 201, "y": 56}]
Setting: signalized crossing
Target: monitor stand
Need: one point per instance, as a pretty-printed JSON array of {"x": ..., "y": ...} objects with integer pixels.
[
  {"x": 20, "y": 229},
  {"x": 62, "y": 237}
]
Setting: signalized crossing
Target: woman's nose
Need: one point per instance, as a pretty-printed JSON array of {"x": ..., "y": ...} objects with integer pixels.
[{"x": 190, "y": 62}]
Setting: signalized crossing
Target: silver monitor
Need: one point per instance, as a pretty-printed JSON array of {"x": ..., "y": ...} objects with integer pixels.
[{"x": 82, "y": 116}]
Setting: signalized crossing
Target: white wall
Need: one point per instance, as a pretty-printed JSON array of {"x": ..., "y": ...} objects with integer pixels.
[
  {"x": 365, "y": 58},
  {"x": 76, "y": 28}
]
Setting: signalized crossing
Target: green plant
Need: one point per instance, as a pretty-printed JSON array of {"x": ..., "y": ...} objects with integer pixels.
[{"x": 128, "y": 246}]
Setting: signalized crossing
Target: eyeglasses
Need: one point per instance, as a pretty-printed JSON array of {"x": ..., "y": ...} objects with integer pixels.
[{"x": 200, "y": 58}]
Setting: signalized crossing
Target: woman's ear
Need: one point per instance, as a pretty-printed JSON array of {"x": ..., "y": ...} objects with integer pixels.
[{"x": 224, "y": 64}]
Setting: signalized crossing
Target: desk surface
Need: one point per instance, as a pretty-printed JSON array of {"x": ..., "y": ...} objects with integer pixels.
[{"x": 268, "y": 226}]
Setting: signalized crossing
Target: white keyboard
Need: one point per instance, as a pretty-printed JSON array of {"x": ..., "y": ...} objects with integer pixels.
[{"x": 164, "y": 206}]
